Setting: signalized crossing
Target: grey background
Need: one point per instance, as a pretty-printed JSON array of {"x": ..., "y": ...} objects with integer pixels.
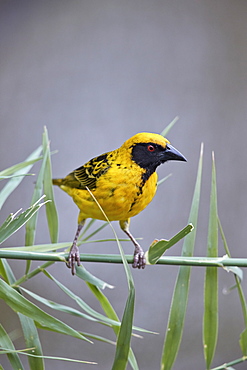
[{"x": 95, "y": 73}]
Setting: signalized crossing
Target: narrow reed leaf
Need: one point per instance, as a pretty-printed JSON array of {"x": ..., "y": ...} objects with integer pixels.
[
  {"x": 168, "y": 128},
  {"x": 178, "y": 308},
  {"x": 105, "y": 304},
  {"x": 123, "y": 352},
  {"x": 236, "y": 271},
  {"x": 8, "y": 275},
  {"x": 87, "y": 227},
  {"x": 51, "y": 211},
  {"x": 2, "y": 270},
  {"x": 33, "y": 273},
  {"x": 11, "y": 176},
  {"x": 38, "y": 247},
  {"x": 38, "y": 190},
  {"x": 243, "y": 335},
  {"x": 17, "y": 167},
  {"x": 81, "y": 303},
  {"x": 74, "y": 312},
  {"x": 210, "y": 319},
  {"x": 18, "y": 171},
  {"x": 85, "y": 275},
  {"x": 243, "y": 342},
  {"x": 111, "y": 314},
  {"x": 6, "y": 343},
  {"x": 101, "y": 227},
  {"x": 108, "y": 320},
  {"x": 158, "y": 247},
  {"x": 14, "y": 221},
  {"x": 60, "y": 307},
  {"x": 124, "y": 335},
  {"x": 237, "y": 278},
  {"x": 65, "y": 359},
  {"x": 164, "y": 179},
  {"x": 20, "y": 304},
  {"x": 6, "y": 271},
  {"x": 32, "y": 341}
]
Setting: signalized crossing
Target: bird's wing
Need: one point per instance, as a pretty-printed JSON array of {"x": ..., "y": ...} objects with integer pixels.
[{"x": 88, "y": 174}]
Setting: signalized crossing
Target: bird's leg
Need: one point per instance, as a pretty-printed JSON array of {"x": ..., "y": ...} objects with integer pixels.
[
  {"x": 139, "y": 257},
  {"x": 74, "y": 254}
]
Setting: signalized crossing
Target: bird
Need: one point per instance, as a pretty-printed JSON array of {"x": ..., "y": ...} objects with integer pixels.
[{"x": 118, "y": 184}]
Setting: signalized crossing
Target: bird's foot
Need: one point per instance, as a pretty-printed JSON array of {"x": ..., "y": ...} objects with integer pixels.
[
  {"x": 74, "y": 257},
  {"x": 139, "y": 258}
]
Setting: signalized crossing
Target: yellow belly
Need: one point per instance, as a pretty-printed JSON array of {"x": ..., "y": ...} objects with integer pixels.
[{"x": 119, "y": 200}]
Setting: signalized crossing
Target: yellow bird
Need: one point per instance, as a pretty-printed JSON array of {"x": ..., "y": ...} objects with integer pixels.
[{"x": 123, "y": 182}]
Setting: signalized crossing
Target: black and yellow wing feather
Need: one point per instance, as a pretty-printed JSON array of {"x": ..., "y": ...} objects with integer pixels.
[{"x": 86, "y": 175}]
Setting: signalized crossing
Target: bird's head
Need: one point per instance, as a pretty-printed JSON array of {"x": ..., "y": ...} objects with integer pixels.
[{"x": 149, "y": 150}]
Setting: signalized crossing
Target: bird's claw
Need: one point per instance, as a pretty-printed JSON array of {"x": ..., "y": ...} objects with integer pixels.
[
  {"x": 74, "y": 257},
  {"x": 139, "y": 258}
]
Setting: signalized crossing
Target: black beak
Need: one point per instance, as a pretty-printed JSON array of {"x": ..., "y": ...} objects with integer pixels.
[{"x": 172, "y": 154}]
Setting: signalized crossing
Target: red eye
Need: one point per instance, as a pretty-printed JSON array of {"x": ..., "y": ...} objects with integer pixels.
[{"x": 151, "y": 148}]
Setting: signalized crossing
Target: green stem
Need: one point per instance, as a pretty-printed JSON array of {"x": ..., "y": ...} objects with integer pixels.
[
  {"x": 115, "y": 258},
  {"x": 231, "y": 363},
  {"x": 33, "y": 273}
]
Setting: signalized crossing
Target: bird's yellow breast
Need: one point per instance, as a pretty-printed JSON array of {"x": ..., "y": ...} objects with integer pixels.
[{"x": 121, "y": 193}]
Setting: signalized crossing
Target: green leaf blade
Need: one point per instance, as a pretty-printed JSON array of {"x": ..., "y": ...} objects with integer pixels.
[
  {"x": 243, "y": 342},
  {"x": 51, "y": 211},
  {"x": 85, "y": 275},
  {"x": 158, "y": 248},
  {"x": 178, "y": 308},
  {"x": 19, "y": 171},
  {"x": 31, "y": 225},
  {"x": 243, "y": 335},
  {"x": 80, "y": 302},
  {"x": 111, "y": 314},
  {"x": 6, "y": 343},
  {"x": 32, "y": 341},
  {"x": 20, "y": 304},
  {"x": 210, "y": 319},
  {"x": 14, "y": 222},
  {"x": 169, "y": 127},
  {"x": 124, "y": 336}
]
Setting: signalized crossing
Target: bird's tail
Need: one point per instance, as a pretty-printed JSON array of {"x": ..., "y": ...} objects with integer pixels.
[{"x": 57, "y": 182}]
